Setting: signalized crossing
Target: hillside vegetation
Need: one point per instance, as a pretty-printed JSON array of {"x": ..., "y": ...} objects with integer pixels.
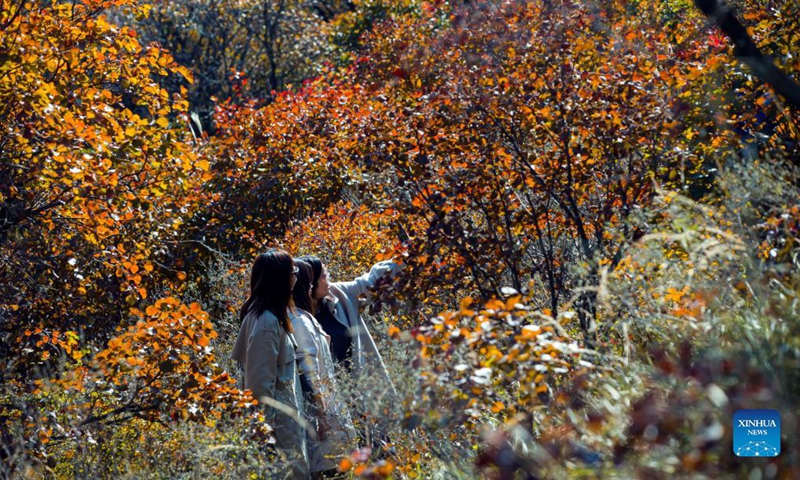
[{"x": 597, "y": 205}]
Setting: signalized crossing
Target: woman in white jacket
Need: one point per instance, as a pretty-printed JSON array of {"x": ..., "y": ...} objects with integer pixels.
[
  {"x": 324, "y": 406},
  {"x": 265, "y": 348},
  {"x": 352, "y": 346}
]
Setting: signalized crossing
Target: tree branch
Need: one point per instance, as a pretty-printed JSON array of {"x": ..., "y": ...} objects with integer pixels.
[{"x": 747, "y": 51}]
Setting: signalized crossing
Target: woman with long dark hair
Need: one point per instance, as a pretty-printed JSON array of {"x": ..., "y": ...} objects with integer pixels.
[
  {"x": 352, "y": 346},
  {"x": 265, "y": 348},
  {"x": 324, "y": 406}
]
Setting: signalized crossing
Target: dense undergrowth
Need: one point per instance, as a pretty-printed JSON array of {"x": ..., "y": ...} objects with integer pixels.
[{"x": 596, "y": 205}]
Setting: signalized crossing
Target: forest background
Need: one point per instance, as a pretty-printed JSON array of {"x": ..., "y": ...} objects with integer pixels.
[{"x": 596, "y": 203}]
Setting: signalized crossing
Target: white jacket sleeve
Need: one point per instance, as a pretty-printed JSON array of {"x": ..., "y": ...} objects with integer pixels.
[{"x": 362, "y": 284}]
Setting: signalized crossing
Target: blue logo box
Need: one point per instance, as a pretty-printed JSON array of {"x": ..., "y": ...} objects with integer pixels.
[{"x": 756, "y": 433}]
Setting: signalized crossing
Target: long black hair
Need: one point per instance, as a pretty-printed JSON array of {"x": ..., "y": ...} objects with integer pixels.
[
  {"x": 303, "y": 288},
  {"x": 270, "y": 286},
  {"x": 316, "y": 271}
]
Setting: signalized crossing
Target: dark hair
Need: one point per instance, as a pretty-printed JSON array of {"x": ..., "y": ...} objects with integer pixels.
[
  {"x": 270, "y": 286},
  {"x": 301, "y": 292},
  {"x": 316, "y": 270}
]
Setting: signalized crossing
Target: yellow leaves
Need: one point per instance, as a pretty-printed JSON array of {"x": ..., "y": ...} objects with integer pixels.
[
  {"x": 143, "y": 11},
  {"x": 203, "y": 165},
  {"x": 694, "y": 73},
  {"x": 162, "y": 60},
  {"x": 512, "y": 349},
  {"x": 676, "y": 295},
  {"x": 52, "y": 64}
]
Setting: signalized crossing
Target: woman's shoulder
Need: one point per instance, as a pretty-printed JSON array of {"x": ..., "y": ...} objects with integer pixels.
[
  {"x": 304, "y": 317},
  {"x": 304, "y": 320},
  {"x": 265, "y": 318},
  {"x": 301, "y": 320},
  {"x": 338, "y": 292},
  {"x": 298, "y": 314}
]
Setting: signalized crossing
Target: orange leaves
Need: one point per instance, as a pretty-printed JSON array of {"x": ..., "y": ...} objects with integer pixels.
[
  {"x": 359, "y": 464},
  {"x": 171, "y": 346},
  {"x": 501, "y": 162},
  {"x": 358, "y": 241},
  {"x": 683, "y": 303},
  {"x": 52, "y": 342},
  {"x": 281, "y": 163},
  {"x": 82, "y": 167},
  {"x": 465, "y": 303}
]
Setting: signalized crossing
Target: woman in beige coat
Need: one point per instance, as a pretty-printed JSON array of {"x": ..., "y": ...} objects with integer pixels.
[
  {"x": 352, "y": 346},
  {"x": 324, "y": 406},
  {"x": 265, "y": 348}
]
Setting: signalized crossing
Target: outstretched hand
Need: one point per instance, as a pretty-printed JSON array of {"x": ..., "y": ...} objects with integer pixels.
[{"x": 384, "y": 268}]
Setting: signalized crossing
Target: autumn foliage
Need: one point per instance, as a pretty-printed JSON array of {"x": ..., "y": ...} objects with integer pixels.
[
  {"x": 349, "y": 239},
  {"x": 95, "y": 174},
  {"x": 96, "y": 180},
  {"x": 595, "y": 204}
]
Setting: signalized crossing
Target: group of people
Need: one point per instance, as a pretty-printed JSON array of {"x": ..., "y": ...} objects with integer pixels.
[{"x": 297, "y": 330}]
